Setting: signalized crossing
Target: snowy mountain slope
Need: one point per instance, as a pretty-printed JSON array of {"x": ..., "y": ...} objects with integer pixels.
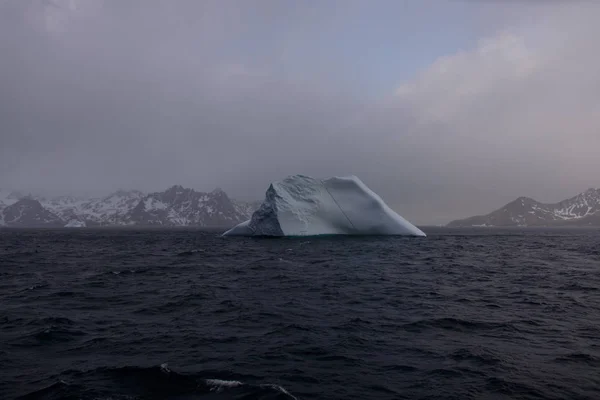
[
  {"x": 109, "y": 210},
  {"x": 66, "y": 207},
  {"x": 28, "y": 212},
  {"x": 112, "y": 209},
  {"x": 581, "y": 210},
  {"x": 8, "y": 197},
  {"x": 177, "y": 206}
]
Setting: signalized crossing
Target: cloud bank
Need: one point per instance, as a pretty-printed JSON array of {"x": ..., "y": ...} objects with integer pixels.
[{"x": 96, "y": 96}]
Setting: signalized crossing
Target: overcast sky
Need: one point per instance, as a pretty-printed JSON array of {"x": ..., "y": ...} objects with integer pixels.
[{"x": 447, "y": 108}]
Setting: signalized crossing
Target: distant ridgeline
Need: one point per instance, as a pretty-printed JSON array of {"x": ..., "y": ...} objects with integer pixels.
[
  {"x": 176, "y": 206},
  {"x": 581, "y": 210}
]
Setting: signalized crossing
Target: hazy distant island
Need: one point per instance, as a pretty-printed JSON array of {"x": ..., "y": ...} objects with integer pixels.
[
  {"x": 176, "y": 206},
  {"x": 581, "y": 210}
]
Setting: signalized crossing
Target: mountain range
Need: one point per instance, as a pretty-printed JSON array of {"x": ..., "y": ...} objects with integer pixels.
[
  {"x": 179, "y": 206},
  {"x": 176, "y": 206},
  {"x": 581, "y": 210}
]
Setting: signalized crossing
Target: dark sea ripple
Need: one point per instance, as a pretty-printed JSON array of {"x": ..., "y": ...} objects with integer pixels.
[{"x": 184, "y": 314}]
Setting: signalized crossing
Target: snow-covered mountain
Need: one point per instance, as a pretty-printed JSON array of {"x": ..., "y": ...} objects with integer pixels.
[
  {"x": 110, "y": 210},
  {"x": 581, "y": 210},
  {"x": 28, "y": 212},
  {"x": 176, "y": 206}
]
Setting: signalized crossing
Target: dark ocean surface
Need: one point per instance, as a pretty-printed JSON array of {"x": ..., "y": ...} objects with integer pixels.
[{"x": 185, "y": 314}]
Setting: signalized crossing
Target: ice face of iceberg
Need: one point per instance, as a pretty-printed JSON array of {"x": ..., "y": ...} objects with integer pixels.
[
  {"x": 303, "y": 206},
  {"x": 75, "y": 224}
]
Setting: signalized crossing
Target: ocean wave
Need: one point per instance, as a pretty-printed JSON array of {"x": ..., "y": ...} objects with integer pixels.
[
  {"x": 579, "y": 358},
  {"x": 190, "y": 252},
  {"x": 455, "y": 324},
  {"x": 471, "y": 316},
  {"x": 151, "y": 383}
]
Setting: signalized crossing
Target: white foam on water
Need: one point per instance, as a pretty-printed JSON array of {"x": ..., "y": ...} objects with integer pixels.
[
  {"x": 219, "y": 384},
  {"x": 280, "y": 389}
]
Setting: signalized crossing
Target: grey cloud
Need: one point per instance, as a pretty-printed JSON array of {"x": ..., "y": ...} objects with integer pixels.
[{"x": 145, "y": 94}]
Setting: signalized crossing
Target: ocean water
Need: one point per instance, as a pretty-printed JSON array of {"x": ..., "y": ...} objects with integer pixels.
[{"x": 186, "y": 314}]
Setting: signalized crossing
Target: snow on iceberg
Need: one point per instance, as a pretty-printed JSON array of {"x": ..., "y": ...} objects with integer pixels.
[
  {"x": 75, "y": 224},
  {"x": 303, "y": 206}
]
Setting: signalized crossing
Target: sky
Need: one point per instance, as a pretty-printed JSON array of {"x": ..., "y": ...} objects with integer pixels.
[{"x": 446, "y": 108}]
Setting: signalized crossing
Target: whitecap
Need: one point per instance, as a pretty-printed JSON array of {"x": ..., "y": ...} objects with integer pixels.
[
  {"x": 280, "y": 389},
  {"x": 219, "y": 384}
]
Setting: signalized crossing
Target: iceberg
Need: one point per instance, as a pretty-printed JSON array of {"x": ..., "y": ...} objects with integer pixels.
[
  {"x": 75, "y": 224},
  {"x": 303, "y": 206}
]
